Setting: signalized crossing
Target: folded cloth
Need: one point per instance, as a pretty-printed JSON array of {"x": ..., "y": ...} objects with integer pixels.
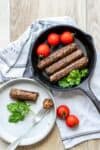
[
  {"x": 13, "y": 64},
  {"x": 81, "y": 106},
  {"x": 13, "y": 59}
]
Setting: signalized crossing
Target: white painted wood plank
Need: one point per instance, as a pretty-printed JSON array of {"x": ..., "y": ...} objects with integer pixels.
[
  {"x": 4, "y": 23},
  {"x": 93, "y": 21}
]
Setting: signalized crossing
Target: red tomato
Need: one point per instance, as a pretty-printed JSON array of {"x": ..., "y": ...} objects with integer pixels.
[
  {"x": 72, "y": 121},
  {"x": 43, "y": 50},
  {"x": 63, "y": 111},
  {"x": 53, "y": 39},
  {"x": 67, "y": 37}
]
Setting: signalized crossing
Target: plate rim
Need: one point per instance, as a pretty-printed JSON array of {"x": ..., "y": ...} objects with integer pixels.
[{"x": 29, "y": 141}]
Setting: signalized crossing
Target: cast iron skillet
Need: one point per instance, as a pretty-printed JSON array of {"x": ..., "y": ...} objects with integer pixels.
[{"x": 85, "y": 42}]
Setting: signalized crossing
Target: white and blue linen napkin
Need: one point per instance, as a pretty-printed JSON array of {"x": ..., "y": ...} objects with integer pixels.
[{"x": 14, "y": 63}]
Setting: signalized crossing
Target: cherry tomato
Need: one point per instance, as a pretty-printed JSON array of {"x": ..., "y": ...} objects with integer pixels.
[
  {"x": 63, "y": 111},
  {"x": 43, "y": 50},
  {"x": 72, "y": 121},
  {"x": 66, "y": 37},
  {"x": 53, "y": 39}
]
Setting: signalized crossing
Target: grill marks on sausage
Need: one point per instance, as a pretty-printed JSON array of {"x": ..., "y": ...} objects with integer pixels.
[
  {"x": 66, "y": 50},
  {"x": 23, "y": 95},
  {"x": 64, "y": 62},
  {"x": 78, "y": 64},
  {"x": 59, "y": 64}
]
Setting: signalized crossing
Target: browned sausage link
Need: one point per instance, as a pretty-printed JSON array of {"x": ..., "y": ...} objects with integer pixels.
[
  {"x": 64, "y": 62},
  {"x": 57, "y": 55},
  {"x": 80, "y": 63},
  {"x": 23, "y": 95}
]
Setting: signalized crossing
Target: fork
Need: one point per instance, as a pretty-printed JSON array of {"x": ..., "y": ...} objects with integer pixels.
[{"x": 37, "y": 118}]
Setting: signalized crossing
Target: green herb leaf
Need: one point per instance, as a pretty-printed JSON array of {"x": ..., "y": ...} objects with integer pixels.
[
  {"x": 84, "y": 72},
  {"x": 15, "y": 117},
  {"x": 18, "y": 110},
  {"x": 74, "y": 78},
  {"x": 12, "y": 107}
]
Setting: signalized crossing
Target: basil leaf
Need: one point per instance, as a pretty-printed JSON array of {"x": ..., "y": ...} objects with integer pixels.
[
  {"x": 18, "y": 111},
  {"x": 74, "y": 78}
]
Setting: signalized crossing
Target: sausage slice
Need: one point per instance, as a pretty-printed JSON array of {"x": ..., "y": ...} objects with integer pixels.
[{"x": 47, "y": 103}]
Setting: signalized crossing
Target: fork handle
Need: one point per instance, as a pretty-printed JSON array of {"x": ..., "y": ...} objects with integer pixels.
[{"x": 14, "y": 145}]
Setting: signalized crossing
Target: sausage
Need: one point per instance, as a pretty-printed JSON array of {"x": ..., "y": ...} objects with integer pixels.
[
  {"x": 78, "y": 64},
  {"x": 57, "y": 55},
  {"x": 64, "y": 62},
  {"x": 23, "y": 95}
]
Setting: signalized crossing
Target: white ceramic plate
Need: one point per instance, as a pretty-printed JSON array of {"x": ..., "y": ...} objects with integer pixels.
[{"x": 9, "y": 131}]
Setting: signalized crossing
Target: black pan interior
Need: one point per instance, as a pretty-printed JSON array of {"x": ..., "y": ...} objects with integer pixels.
[{"x": 84, "y": 41}]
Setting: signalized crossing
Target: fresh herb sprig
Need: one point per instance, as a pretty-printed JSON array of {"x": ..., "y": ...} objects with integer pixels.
[
  {"x": 18, "y": 110},
  {"x": 73, "y": 79}
]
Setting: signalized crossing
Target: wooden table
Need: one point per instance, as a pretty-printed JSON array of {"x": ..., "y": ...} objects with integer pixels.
[{"x": 86, "y": 15}]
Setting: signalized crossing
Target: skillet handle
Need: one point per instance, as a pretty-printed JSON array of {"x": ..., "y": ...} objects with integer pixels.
[{"x": 88, "y": 91}]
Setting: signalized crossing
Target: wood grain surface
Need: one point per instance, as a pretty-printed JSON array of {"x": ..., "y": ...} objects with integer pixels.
[
  {"x": 86, "y": 15},
  {"x": 24, "y": 12},
  {"x": 93, "y": 21},
  {"x": 4, "y": 23}
]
